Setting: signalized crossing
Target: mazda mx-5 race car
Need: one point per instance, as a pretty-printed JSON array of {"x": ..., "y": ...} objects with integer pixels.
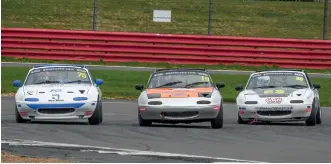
[
  {"x": 180, "y": 96},
  {"x": 279, "y": 96},
  {"x": 55, "y": 92}
]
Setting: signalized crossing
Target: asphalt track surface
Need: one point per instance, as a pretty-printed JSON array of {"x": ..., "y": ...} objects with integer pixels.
[
  {"x": 283, "y": 142},
  {"x": 126, "y": 68}
]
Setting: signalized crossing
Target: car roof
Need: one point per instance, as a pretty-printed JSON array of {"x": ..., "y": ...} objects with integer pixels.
[
  {"x": 58, "y": 65},
  {"x": 282, "y": 70},
  {"x": 180, "y": 69},
  {"x": 279, "y": 70}
]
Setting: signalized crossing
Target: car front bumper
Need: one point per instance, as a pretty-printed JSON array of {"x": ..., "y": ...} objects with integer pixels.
[
  {"x": 275, "y": 113},
  {"x": 179, "y": 113},
  {"x": 56, "y": 111}
]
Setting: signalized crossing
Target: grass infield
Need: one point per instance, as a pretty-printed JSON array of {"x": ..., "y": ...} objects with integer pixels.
[
  {"x": 230, "y": 17},
  {"x": 121, "y": 84}
]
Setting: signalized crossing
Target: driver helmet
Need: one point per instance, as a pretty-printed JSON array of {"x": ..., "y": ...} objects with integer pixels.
[{"x": 263, "y": 81}]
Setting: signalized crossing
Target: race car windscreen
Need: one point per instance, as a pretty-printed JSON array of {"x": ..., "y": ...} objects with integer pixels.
[
  {"x": 58, "y": 75},
  {"x": 180, "y": 79},
  {"x": 277, "y": 79}
]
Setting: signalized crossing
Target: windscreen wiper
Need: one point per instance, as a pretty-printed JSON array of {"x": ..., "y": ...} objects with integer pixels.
[
  {"x": 47, "y": 82},
  {"x": 295, "y": 86},
  {"x": 169, "y": 84},
  {"x": 196, "y": 83},
  {"x": 267, "y": 86},
  {"x": 76, "y": 81}
]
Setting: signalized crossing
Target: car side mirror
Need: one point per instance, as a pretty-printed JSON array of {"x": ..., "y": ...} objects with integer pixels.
[
  {"x": 139, "y": 87},
  {"x": 220, "y": 85},
  {"x": 98, "y": 82},
  {"x": 239, "y": 87},
  {"x": 317, "y": 86},
  {"x": 17, "y": 83}
]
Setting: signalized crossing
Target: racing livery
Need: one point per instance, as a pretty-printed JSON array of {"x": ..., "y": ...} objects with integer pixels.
[
  {"x": 180, "y": 96},
  {"x": 279, "y": 96},
  {"x": 53, "y": 92}
]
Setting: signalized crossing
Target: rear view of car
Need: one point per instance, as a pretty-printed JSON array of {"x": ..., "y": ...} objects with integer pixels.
[
  {"x": 279, "y": 96},
  {"x": 180, "y": 96},
  {"x": 58, "y": 92}
]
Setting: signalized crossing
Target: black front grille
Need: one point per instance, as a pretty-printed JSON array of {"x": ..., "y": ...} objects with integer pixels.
[
  {"x": 274, "y": 113},
  {"x": 180, "y": 114},
  {"x": 56, "y": 110}
]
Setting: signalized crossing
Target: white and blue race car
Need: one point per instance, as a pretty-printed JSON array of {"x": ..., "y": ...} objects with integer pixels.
[{"x": 58, "y": 92}]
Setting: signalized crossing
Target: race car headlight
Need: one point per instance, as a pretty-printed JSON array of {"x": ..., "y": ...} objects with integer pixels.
[
  {"x": 155, "y": 103},
  {"x": 296, "y": 101},
  {"x": 205, "y": 94},
  {"x": 203, "y": 102},
  {"x": 79, "y": 98},
  {"x": 154, "y": 96},
  {"x": 250, "y": 102},
  {"x": 32, "y": 99}
]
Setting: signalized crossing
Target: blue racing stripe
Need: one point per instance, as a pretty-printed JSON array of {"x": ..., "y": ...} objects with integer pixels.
[{"x": 71, "y": 105}]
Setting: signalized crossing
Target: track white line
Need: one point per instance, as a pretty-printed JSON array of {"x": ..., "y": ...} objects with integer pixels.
[{"x": 86, "y": 148}]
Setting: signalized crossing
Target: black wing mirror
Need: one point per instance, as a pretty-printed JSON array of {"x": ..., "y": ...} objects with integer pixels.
[
  {"x": 139, "y": 87},
  {"x": 220, "y": 85},
  {"x": 239, "y": 87},
  {"x": 317, "y": 86}
]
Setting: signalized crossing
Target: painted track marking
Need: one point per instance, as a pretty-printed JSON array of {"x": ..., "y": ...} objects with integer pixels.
[{"x": 87, "y": 148}]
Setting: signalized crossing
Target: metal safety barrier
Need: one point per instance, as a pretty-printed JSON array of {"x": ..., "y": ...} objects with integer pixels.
[{"x": 177, "y": 49}]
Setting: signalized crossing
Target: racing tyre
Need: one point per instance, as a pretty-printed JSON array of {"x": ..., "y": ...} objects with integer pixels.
[
  {"x": 217, "y": 123},
  {"x": 95, "y": 119},
  {"x": 239, "y": 120},
  {"x": 319, "y": 116},
  {"x": 18, "y": 117},
  {"x": 143, "y": 122},
  {"x": 101, "y": 113},
  {"x": 311, "y": 121}
]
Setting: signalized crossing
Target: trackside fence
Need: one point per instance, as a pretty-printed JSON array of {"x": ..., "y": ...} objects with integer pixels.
[{"x": 177, "y": 49}]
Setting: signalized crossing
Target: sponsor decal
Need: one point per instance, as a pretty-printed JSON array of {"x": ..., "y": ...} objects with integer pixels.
[
  {"x": 55, "y": 98},
  {"x": 273, "y": 108},
  {"x": 178, "y": 94},
  {"x": 273, "y": 100},
  {"x": 56, "y": 90}
]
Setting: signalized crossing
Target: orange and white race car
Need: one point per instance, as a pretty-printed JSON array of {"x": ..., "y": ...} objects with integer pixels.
[{"x": 180, "y": 95}]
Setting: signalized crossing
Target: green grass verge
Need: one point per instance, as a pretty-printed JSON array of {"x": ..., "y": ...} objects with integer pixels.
[
  {"x": 230, "y": 17},
  {"x": 156, "y": 65},
  {"x": 120, "y": 84}
]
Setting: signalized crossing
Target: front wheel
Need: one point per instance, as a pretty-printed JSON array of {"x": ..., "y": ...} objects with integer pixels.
[
  {"x": 240, "y": 120},
  {"x": 217, "y": 123},
  {"x": 96, "y": 118},
  {"x": 311, "y": 121},
  {"x": 319, "y": 116},
  {"x": 143, "y": 122},
  {"x": 18, "y": 117}
]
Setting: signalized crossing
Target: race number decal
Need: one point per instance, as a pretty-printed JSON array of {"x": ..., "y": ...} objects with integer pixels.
[
  {"x": 279, "y": 91},
  {"x": 274, "y": 91},
  {"x": 204, "y": 78},
  {"x": 82, "y": 75},
  {"x": 299, "y": 78},
  {"x": 268, "y": 92}
]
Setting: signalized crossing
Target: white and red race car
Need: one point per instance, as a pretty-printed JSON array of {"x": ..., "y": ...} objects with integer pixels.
[{"x": 279, "y": 96}]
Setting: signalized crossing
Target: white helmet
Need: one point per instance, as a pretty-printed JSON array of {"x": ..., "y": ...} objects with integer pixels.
[{"x": 263, "y": 81}]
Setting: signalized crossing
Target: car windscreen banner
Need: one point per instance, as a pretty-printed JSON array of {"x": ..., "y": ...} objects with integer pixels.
[
  {"x": 58, "y": 69},
  {"x": 169, "y": 73}
]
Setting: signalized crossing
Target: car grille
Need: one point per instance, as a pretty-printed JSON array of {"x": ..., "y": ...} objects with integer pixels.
[
  {"x": 56, "y": 110},
  {"x": 274, "y": 113},
  {"x": 180, "y": 114}
]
